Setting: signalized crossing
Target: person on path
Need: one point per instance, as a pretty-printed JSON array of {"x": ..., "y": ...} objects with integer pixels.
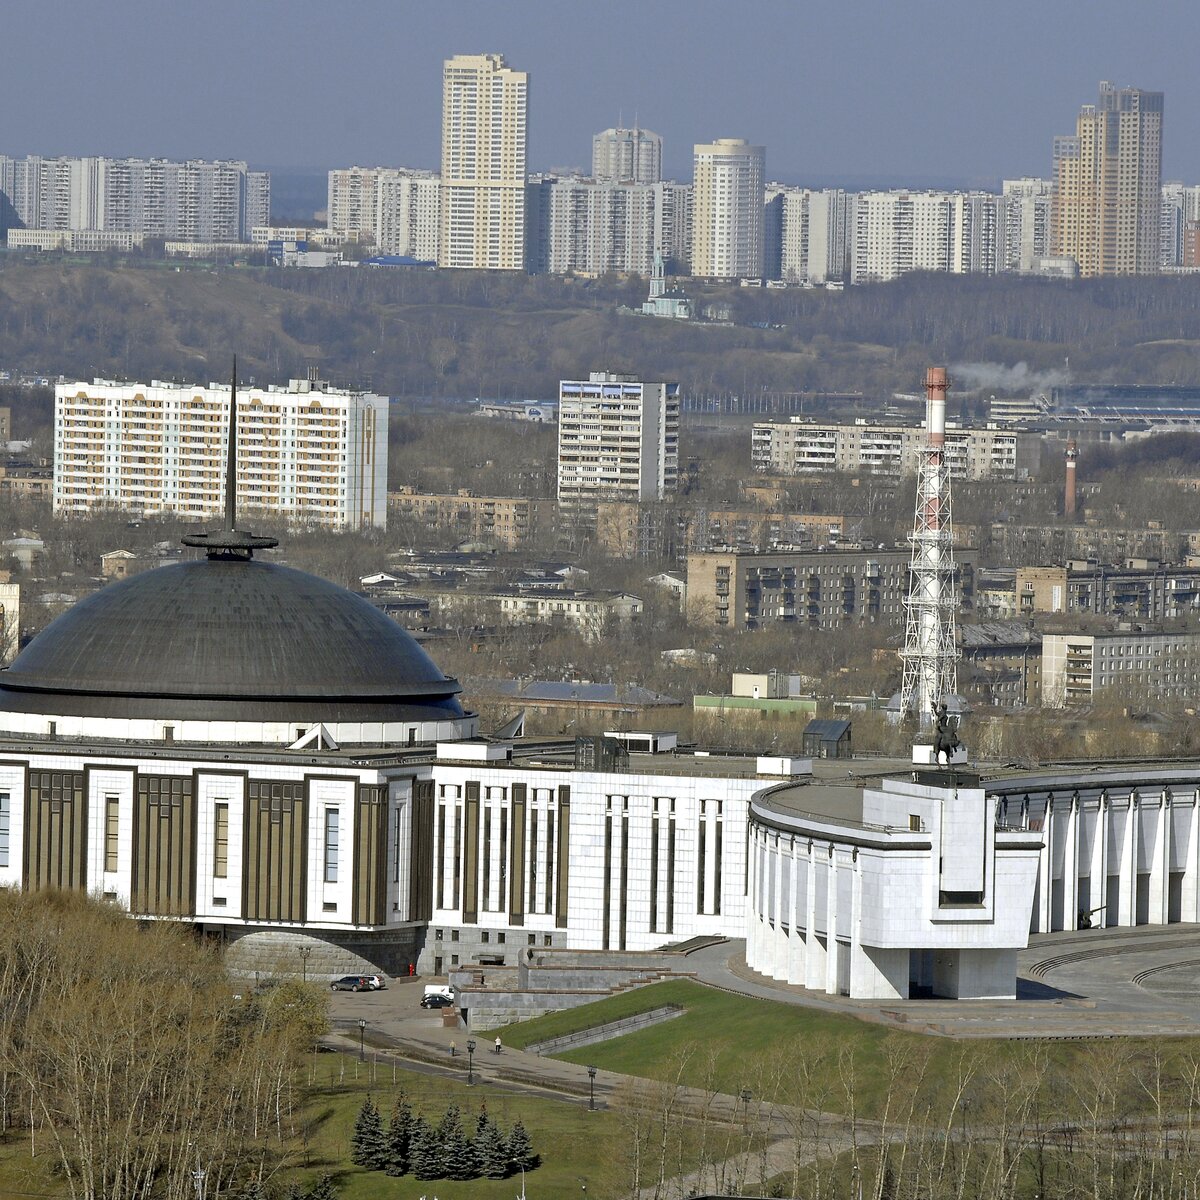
[{"x": 497, "y": 1044}]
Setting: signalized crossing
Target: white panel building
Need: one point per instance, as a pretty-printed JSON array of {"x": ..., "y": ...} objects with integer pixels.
[
  {"x": 627, "y": 156},
  {"x": 310, "y": 452},
  {"x": 196, "y": 201},
  {"x": 618, "y": 438}
]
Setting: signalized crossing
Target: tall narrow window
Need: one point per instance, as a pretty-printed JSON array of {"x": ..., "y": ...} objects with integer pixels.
[
  {"x": 220, "y": 840},
  {"x": 112, "y": 819},
  {"x": 331, "y": 845},
  {"x": 4, "y": 818}
]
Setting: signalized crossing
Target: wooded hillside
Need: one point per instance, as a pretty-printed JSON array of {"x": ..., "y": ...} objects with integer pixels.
[{"x": 424, "y": 333}]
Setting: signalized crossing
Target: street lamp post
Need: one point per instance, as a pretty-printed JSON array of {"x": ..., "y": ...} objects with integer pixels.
[
  {"x": 746, "y": 1095},
  {"x": 470, "y": 1060},
  {"x": 305, "y": 951},
  {"x": 362, "y": 1037},
  {"x": 591, "y": 1089}
]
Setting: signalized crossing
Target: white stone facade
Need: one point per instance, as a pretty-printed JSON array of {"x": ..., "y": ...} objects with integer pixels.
[{"x": 925, "y": 891}]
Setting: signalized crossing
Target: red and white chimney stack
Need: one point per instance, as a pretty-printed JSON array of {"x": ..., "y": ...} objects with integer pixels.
[{"x": 1069, "y": 488}]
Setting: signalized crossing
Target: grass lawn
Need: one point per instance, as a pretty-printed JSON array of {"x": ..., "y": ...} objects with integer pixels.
[
  {"x": 576, "y": 1146},
  {"x": 725, "y": 1043}
]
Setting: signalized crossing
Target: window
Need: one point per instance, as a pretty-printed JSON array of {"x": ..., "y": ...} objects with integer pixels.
[
  {"x": 4, "y": 819},
  {"x": 220, "y": 839},
  {"x": 112, "y": 815},
  {"x": 331, "y": 845}
]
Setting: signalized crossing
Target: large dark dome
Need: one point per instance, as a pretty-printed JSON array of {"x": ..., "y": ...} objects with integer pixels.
[{"x": 228, "y": 639}]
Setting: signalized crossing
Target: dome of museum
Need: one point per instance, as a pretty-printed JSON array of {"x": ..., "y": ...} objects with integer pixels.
[{"x": 228, "y": 638}]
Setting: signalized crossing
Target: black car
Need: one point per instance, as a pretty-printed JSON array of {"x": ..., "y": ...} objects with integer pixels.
[
  {"x": 351, "y": 983},
  {"x": 434, "y": 1000}
]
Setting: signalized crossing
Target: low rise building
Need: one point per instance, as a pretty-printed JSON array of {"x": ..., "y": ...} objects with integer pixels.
[
  {"x": 1000, "y": 663},
  {"x": 1138, "y": 589},
  {"x": 591, "y": 613},
  {"x": 1078, "y": 668},
  {"x": 627, "y": 530},
  {"x": 824, "y": 589},
  {"x": 509, "y": 521},
  {"x": 801, "y": 444},
  {"x": 578, "y": 700}
]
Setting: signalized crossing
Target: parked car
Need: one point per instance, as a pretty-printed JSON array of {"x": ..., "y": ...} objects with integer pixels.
[
  {"x": 376, "y": 982},
  {"x": 434, "y": 1000},
  {"x": 351, "y": 983}
]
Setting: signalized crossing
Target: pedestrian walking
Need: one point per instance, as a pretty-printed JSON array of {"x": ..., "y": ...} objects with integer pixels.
[{"x": 497, "y": 1045}]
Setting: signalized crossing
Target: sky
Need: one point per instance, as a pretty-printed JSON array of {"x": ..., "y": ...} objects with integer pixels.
[{"x": 858, "y": 92}]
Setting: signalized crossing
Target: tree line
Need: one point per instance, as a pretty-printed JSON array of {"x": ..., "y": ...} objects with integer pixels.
[
  {"x": 409, "y": 1143},
  {"x": 125, "y": 1054}
]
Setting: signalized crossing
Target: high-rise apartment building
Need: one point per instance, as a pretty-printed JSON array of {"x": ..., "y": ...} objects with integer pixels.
[
  {"x": 805, "y": 234},
  {"x": 618, "y": 438},
  {"x": 396, "y": 209},
  {"x": 627, "y": 156},
  {"x": 1026, "y": 223},
  {"x": 1180, "y": 208},
  {"x": 312, "y": 453},
  {"x": 195, "y": 201},
  {"x": 589, "y": 227},
  {"x": 673, "y": 225},
  {"x": 727, "y": 210},
  {"x": 1108, "y": 185},
  {"x": 484, "y": 122}
]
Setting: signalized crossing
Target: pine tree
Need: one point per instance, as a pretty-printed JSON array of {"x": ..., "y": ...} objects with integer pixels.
[
  {"x": 458, "y": 1160},
  {"x": 424, "y": 1156},
  {"x": 368, "y": 1147},
  {"x": 253, "y": 1190},
  {"x": 520, "y": 1149},
  {"x": 399, "y": 1136},
  {"x": 323, "y": 1189},
  {"x": 483, "y": 1120},
  {"x": 491, "y": 1152}
]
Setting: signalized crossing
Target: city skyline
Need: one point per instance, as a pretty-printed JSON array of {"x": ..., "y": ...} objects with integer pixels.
[{"x": 844, "y": 96}]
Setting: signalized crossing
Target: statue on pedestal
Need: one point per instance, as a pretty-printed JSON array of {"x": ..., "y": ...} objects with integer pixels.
[{"x": 945, "y": 734}]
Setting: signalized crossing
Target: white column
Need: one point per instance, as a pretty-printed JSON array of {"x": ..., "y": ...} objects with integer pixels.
[
  {"x": 1071, "y": 865},
  {"x": 814, "y": 952},
  {"x": 1191, "y": 872},
  {"x": 779, "y": 942},
  {"x": 831, "y": 918},
  {"x": 1127, "y": 904},
  {"x": 795, "y": 963},
  {"x": 1160, "y": 865},
  {"x": 1046, "y": 868},
  {"x": 1100, "y": 860}
]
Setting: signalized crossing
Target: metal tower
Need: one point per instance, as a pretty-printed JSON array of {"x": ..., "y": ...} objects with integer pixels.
[{"x": 930, "y": 654}]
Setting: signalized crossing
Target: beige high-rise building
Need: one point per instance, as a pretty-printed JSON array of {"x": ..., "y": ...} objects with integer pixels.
[
  {"x": 727, "y": 210},
  {"x": 1108, "y": 185},
  {"x": 484, "y": 123}
]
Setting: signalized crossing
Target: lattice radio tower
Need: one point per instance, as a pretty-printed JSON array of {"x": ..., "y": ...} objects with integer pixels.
[{"x": 930, "y": 655}]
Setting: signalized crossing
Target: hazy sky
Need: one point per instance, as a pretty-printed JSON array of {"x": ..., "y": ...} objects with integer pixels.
[{"x": 907, "y": 90}]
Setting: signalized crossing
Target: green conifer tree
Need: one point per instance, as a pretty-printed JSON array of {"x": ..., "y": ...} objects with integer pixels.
[
  {"x": 424, "y": 1155},
  {"x": 491, "y": 1151},
  {"x": 368, "y": 1147},
  {"x": 399, "y": 1136},
  {"x": 253, "y": 1189},
  {"x": 323, "y": 1189},
  {"x": 458, "y": 1154},
  {"x": 520, "y": 1149}
]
